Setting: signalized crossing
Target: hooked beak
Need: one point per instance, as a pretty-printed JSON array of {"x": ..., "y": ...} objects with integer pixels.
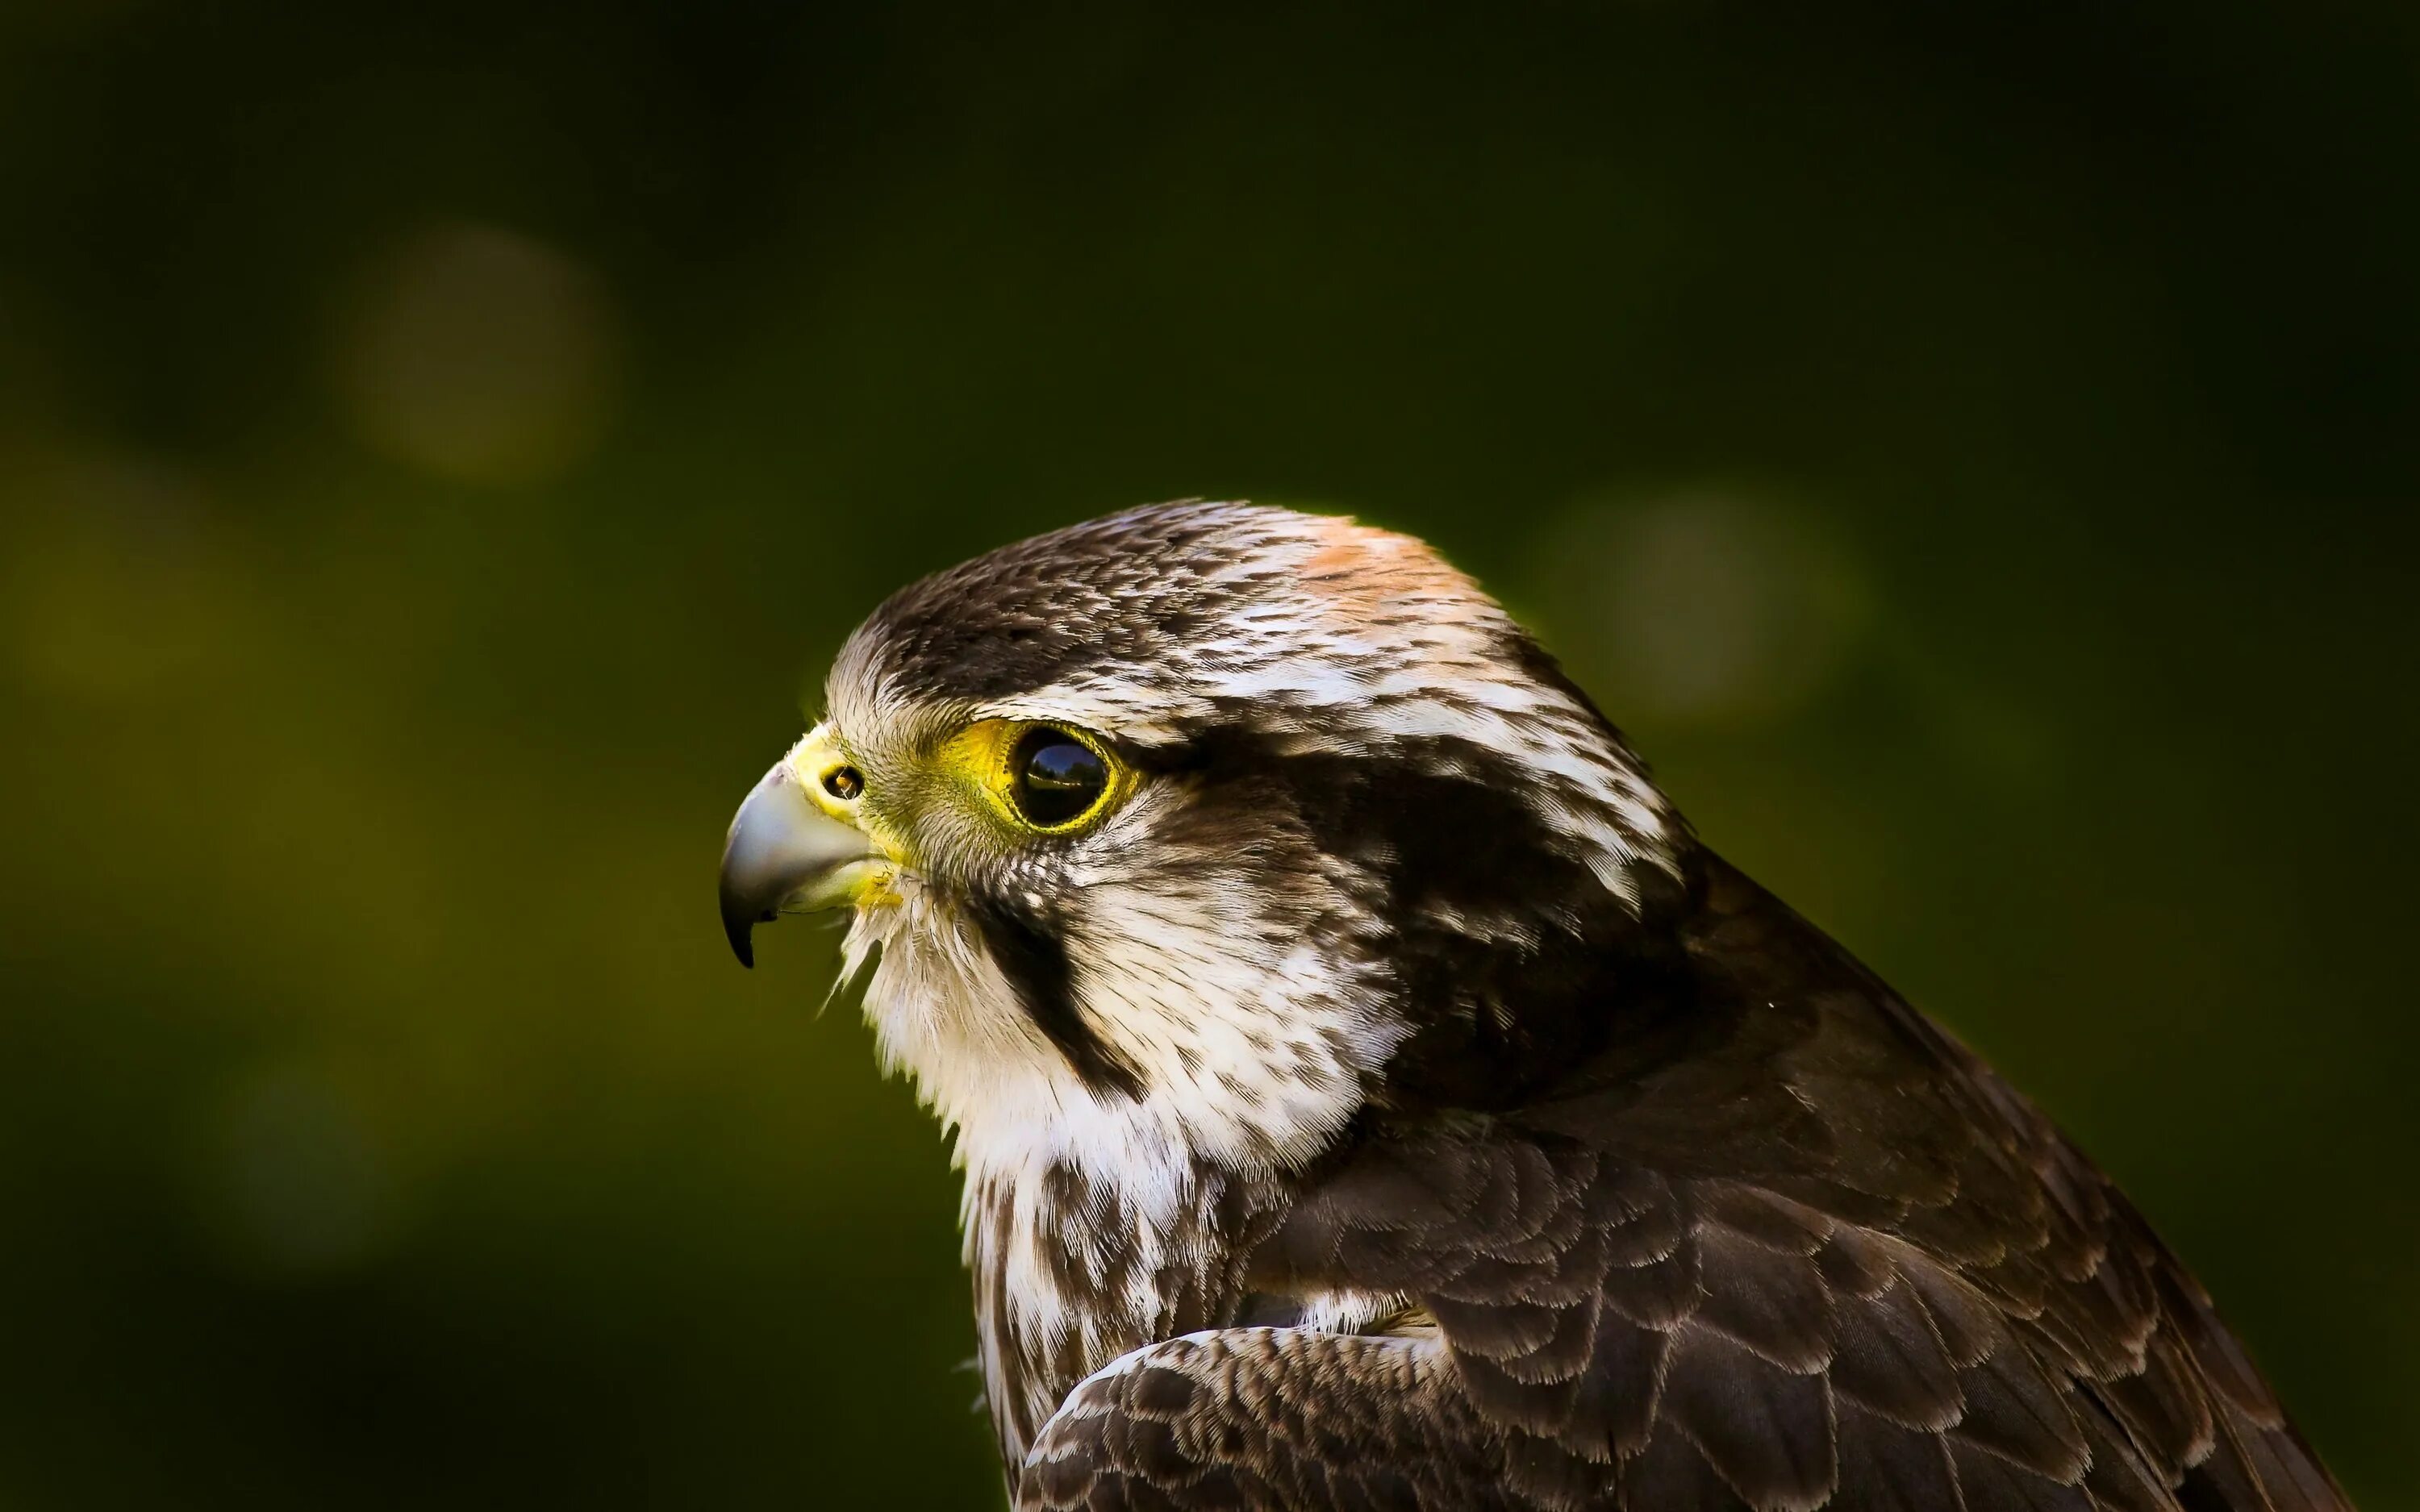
[{"x": 786, "y": 856}]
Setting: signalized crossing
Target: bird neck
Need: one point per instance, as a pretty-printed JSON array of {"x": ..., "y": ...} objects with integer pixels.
[{"x": 1071, "y": 1271}]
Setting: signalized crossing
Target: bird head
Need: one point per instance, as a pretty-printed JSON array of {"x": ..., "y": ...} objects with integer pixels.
[{"x": 1204, "y": 827}]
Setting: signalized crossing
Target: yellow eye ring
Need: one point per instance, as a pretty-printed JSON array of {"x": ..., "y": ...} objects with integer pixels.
[
  {"x": 1056, "y": 780},
  {"x": 1044, "y": 779}
]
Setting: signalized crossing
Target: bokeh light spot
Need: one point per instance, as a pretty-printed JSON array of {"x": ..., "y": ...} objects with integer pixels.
[
  {"x": 302, "y": 1184},
  {"x": 479, "y": 355},
  {"x": 1710, "y": 605}
]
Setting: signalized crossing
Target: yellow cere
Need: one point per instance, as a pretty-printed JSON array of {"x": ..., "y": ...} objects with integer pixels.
[{"x": 814, "y": 756}]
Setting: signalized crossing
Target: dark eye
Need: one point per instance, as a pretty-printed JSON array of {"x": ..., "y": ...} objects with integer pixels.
[{"x": 1055, "y": 778}]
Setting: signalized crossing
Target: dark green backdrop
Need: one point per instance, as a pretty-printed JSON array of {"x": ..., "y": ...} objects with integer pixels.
[{"x": 1973, "y": 450}]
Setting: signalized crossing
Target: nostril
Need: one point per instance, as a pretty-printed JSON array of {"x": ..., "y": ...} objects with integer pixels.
[{"x": 844, "y": 782}]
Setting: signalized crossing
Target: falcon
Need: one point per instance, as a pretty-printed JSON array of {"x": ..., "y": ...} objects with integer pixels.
[{"x": 1370, "y": 1094}]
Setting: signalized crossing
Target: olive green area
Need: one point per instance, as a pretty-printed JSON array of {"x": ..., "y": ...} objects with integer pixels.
[{"x": 1973, "y": 449}]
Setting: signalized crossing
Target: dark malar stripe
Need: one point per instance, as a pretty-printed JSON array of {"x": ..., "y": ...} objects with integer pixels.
[{"x": 1034, "y": 961}]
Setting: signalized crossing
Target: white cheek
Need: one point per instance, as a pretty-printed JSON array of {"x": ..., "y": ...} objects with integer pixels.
[{"x": 1255, "y": 1046}]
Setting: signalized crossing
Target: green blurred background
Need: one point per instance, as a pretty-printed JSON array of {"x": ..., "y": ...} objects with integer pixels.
[{"x": 1974, "y": 449}]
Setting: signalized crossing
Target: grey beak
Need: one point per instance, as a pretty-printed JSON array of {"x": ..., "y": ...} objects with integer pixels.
[{"x": 783, "y": 854}]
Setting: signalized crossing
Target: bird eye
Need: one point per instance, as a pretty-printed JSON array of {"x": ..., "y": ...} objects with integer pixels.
[{"x": 1055, "y": 779}]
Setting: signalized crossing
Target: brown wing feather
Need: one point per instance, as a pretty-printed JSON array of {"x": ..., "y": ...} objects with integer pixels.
[
  {"x": 1268, "y": 1418},
  {"x": 1785, "y": 1246}
]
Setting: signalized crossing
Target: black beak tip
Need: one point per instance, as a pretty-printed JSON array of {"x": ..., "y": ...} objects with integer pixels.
[{"x": 737, "y": 925}]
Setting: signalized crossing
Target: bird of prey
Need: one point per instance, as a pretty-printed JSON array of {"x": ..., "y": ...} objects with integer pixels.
[{"x": 1370, "y": 1094}]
